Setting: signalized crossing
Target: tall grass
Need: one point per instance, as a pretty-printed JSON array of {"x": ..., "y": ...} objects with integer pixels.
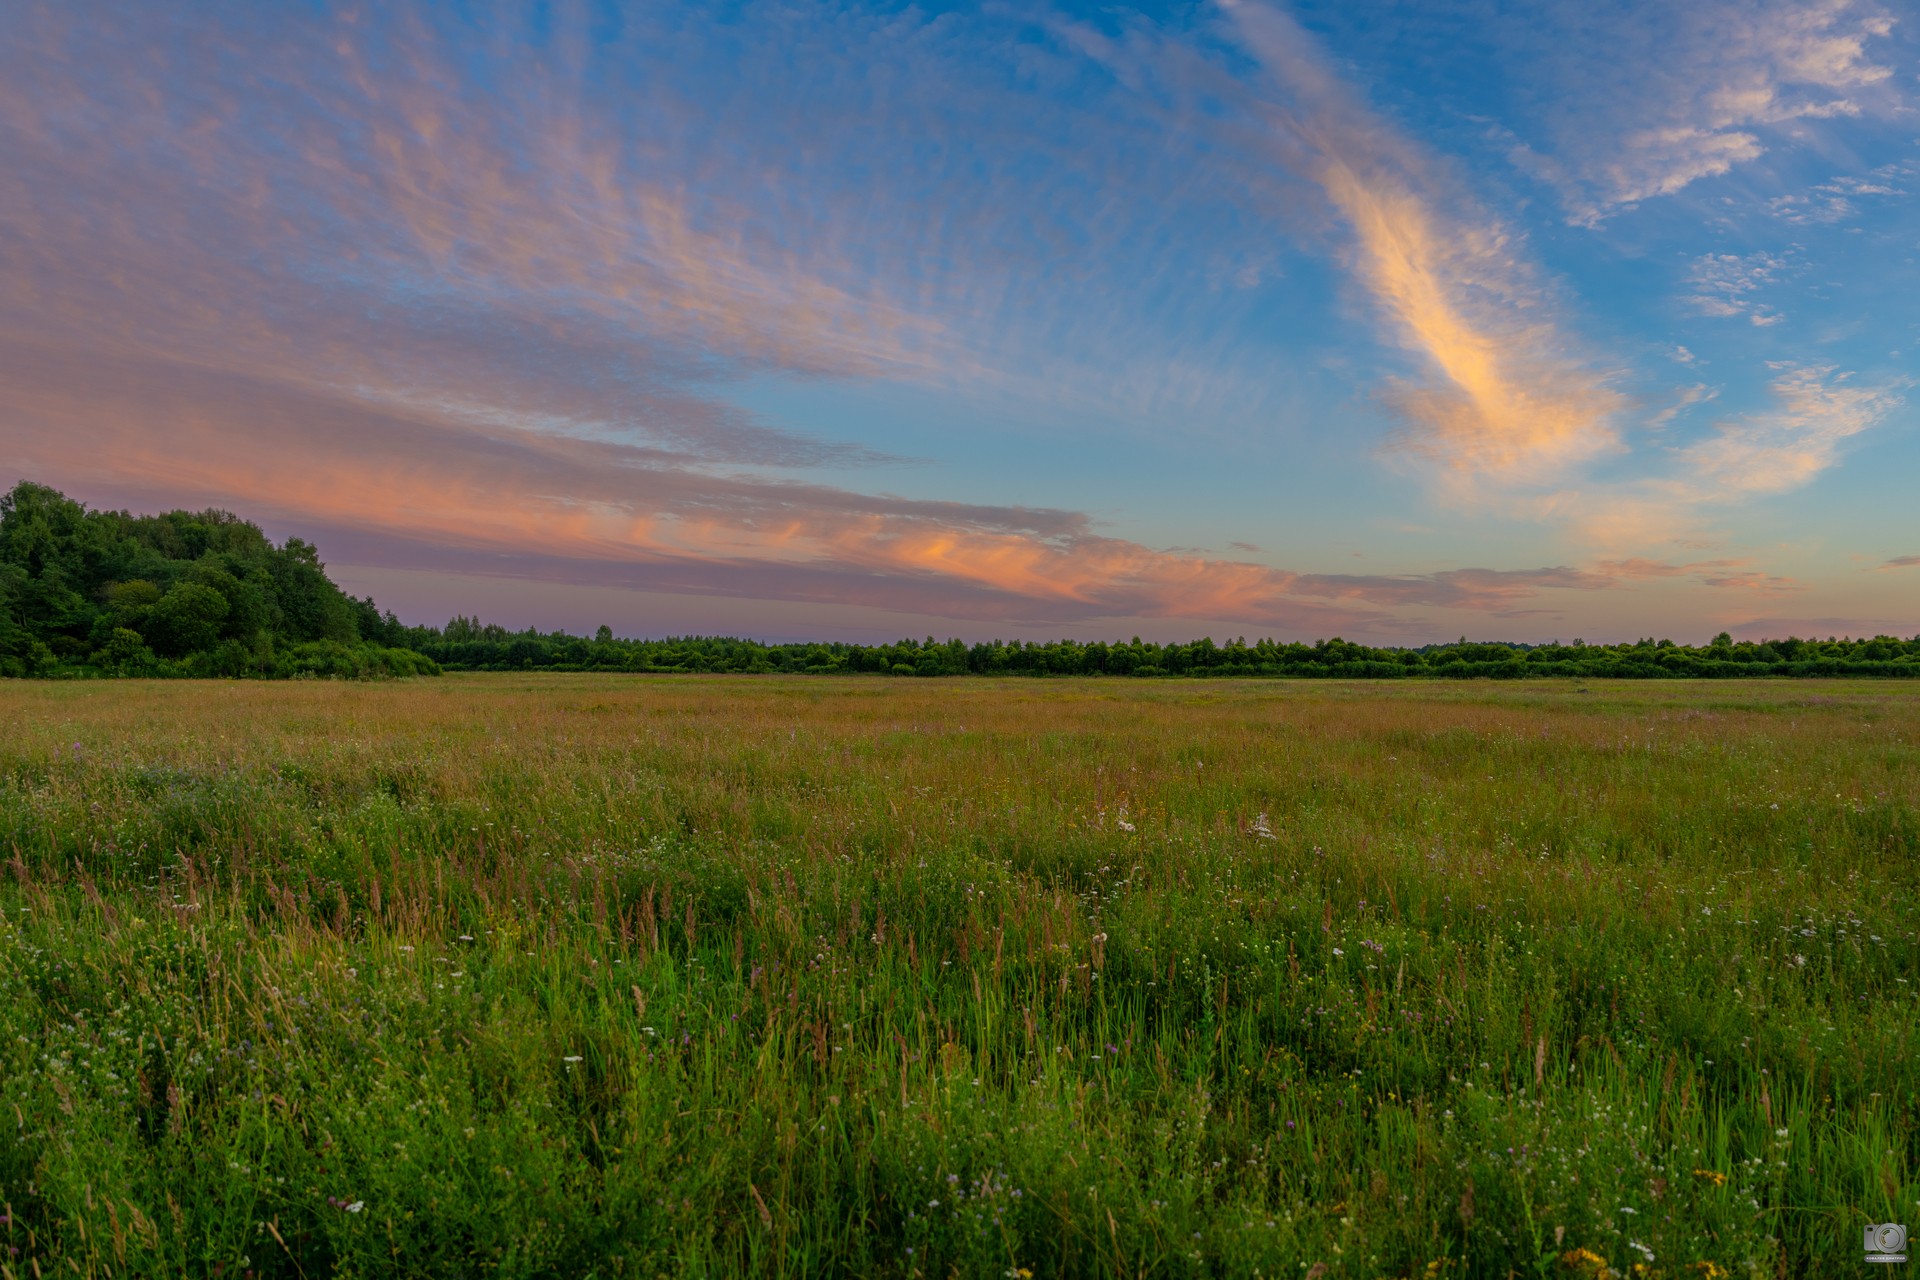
[{"x": 588, "y": 975}]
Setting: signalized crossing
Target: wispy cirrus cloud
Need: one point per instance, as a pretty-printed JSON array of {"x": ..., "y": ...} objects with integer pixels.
[
  {"x": 1839, "y": 198},
  {"x": 1817, "y": 410},
  {"x": 1505, "y": 394},
  {"x": 1647, "y": 101},
  {"x": 391, "y": 238},
  {"x": 1724, "y": 284},
  {"x": 1683, "y": 399}
]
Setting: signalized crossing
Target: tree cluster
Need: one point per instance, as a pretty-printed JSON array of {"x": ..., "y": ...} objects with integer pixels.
[{"x": 181, "y": 594}]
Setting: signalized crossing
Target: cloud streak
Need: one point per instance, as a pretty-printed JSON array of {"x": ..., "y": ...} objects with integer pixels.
[{"x": 1504, "y": 397}]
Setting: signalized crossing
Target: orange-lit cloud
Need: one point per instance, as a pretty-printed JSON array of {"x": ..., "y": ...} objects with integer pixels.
[{"x": 1504, "y": 398}]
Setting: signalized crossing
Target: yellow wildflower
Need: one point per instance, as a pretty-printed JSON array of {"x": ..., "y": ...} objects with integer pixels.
[{"x": 1714, "y": 1176}]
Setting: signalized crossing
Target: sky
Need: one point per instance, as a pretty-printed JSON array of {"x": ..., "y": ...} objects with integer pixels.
[{"x": 1398, "y": 320}]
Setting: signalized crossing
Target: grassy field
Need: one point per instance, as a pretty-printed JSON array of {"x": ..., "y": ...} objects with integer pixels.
[{"x": 617, "y": 976}]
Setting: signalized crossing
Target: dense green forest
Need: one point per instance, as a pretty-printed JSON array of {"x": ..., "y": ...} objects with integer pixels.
[
  {"x": 182, "y": 594},
  {"x": 207, "y": 594}
]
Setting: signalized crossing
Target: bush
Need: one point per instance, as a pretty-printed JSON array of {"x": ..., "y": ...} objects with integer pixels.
[
  {"x": 185, "y": 620},
  {"x": 126, "y": 654}
]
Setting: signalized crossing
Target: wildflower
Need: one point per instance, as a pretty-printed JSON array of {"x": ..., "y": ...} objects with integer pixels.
[
  {"x": 1123, "y": 824},
  {"x": 1714, "y": 1176},
  {"x": 572, "y": 1057},
  {"x": 1584, "y": 1260}
]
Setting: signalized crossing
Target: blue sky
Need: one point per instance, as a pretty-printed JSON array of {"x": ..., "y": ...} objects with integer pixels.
[{"x": 1392, "y": 320}]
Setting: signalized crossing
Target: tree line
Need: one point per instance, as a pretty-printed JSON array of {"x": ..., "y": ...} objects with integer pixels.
[
  {"x": 106, "y": 593},
  {"x": 466, "y": 644}
]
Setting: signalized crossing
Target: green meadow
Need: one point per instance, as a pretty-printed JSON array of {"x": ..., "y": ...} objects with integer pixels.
[{"x": 601, "y": 975}]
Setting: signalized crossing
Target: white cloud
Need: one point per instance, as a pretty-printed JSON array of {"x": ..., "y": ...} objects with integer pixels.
[
  {"x": 1654, "y": 101},
  {"x": 1684, "y": 399},
  {"x": 1836, "y": 200},
  {"x": 1819, "y": 408},
  {"x": 1724, "y": 284}
]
